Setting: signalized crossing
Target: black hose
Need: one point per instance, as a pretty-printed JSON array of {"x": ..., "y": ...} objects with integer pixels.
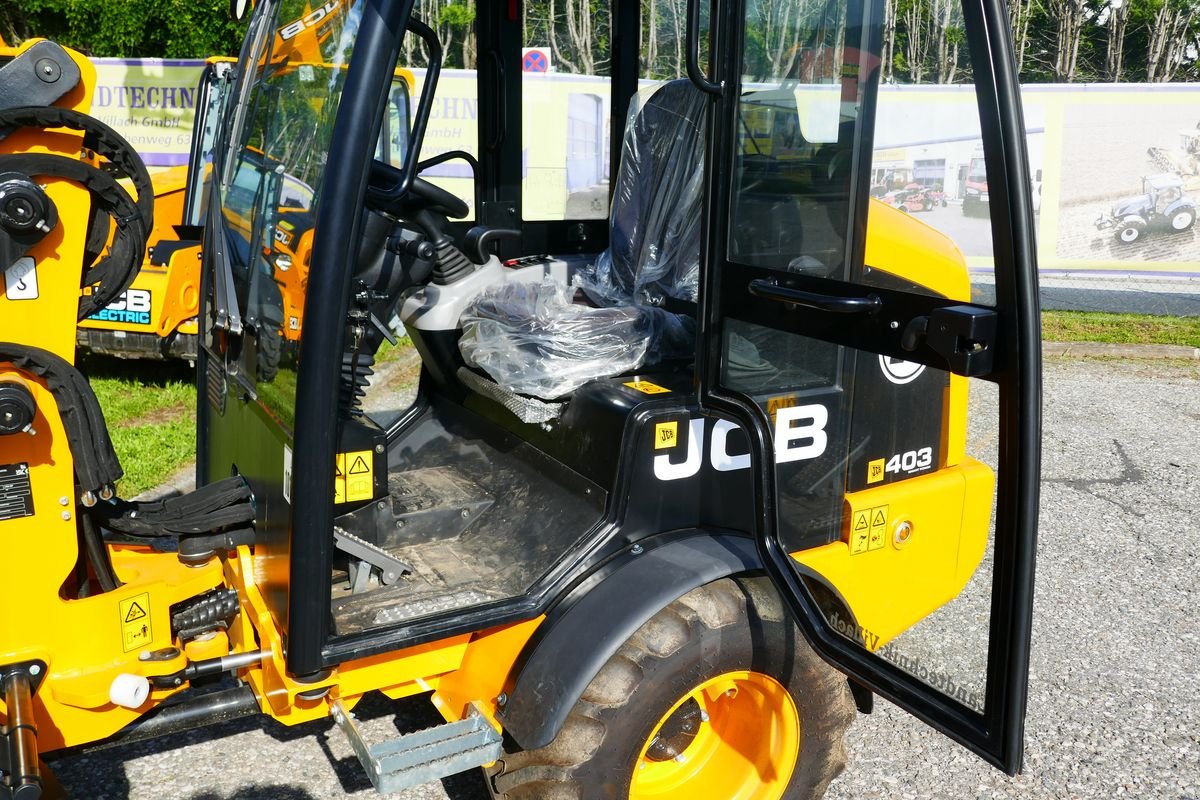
[{"x": 97, "y": 554}]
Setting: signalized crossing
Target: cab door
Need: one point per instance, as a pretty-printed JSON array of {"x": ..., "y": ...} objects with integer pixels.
[{"x": 922, "y": 322}]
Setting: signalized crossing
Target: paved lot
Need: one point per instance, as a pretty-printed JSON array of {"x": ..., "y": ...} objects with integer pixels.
[{"x": 1113, "y": 706}]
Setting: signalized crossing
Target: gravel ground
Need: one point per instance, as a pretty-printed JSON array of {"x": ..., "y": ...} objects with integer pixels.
[{"x": 1113, "y": 703}]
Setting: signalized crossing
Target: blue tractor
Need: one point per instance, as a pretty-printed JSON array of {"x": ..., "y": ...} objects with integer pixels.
[{"x": 1162, "y": 205}]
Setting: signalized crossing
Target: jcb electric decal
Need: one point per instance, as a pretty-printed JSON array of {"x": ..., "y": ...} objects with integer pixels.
[
  {"x": 311, "y": 20},
  {"x": 799, "y": 435},
  {"x": 133, "y": 307}
]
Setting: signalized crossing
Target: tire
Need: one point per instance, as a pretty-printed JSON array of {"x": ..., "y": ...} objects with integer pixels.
[
  {"x": 928, "y": 206},
  {"x": 1183, "y": 219},
  {"x": 1130, "y": 231},
  {"x": 729, "y": 633},
  {"x": 270, "y": 349}
]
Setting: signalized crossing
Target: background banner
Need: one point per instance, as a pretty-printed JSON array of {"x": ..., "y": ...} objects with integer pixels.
[{"x": 151, "y": 102}]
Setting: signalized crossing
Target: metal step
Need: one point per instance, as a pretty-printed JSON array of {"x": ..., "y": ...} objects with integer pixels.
[{"x": 423, "y": 756}]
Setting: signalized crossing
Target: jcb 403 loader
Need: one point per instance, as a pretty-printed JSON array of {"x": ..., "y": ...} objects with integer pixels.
[{"x": 680, "y": 489}]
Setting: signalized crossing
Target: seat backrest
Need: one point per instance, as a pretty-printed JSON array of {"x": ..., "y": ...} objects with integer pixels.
[{"x": 654, "y": 223}]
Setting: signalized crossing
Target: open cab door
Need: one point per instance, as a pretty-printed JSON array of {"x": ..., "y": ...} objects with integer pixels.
[{"x": 884, "y": 365}]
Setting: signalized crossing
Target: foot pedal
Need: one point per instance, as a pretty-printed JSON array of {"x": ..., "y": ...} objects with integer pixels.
[{"x": 417, "y": 758}]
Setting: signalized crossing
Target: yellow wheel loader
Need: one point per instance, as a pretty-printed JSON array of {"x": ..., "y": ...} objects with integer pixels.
[
  {"x": 157, "y": 316},
  {"x": 680, "y": 493}
]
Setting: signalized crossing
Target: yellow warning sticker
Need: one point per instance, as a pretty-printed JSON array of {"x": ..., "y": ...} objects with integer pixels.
[
  {"x": 879, "y": 518},
  {"x": 860, "y": 532},
  {"x": 339, "y": 479},
  {"x": 875, "y": 471},
  {"x": 135, "y": 622},
  {"x": 360, "y": 475},
  {"x": 666, "y": 434},
  {"x": 776, "y": 403},
  {"x": 646, "y": 387}
]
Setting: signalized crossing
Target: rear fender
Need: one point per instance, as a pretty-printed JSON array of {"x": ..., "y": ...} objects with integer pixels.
[{"x": 588, "y": 627}]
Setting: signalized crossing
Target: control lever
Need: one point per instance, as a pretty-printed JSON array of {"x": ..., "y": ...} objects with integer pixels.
[{"x": 479, "y": 240}]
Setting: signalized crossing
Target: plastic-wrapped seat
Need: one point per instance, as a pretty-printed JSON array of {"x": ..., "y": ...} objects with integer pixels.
[{"x": 533, "y": 339}]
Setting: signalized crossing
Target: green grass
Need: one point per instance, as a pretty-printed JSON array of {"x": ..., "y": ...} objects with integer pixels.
[
  {"x": 1095, "y": 326},
  {"x": 152, "y": 453},
  {"x": 150, "y": 407}
]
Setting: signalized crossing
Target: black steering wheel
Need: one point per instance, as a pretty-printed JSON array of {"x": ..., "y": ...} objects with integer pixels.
[{"x": 421, "y": 194}]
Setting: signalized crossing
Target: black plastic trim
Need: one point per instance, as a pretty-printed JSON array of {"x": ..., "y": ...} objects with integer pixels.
[{"x": 595, "y": 619}]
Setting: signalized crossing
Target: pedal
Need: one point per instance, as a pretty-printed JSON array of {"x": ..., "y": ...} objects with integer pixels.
[
  {"x": 364, "y": 557},
  {"x": 417, "y": 758}
]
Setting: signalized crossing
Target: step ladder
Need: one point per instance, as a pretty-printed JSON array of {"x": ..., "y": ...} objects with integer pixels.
[{"x": 423, "y": 756}]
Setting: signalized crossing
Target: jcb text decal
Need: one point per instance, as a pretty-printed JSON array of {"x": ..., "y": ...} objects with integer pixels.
[
  {"x": 799, "y": 435},
  {"x": 290, "y": 30},
  {"x": 133, "y": 306}
]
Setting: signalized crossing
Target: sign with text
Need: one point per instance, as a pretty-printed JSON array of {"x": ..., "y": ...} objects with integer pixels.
[{"x": 151, "y": 102}]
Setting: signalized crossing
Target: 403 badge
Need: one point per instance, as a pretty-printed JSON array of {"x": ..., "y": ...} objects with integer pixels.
[{"x": 910, "y": 462}]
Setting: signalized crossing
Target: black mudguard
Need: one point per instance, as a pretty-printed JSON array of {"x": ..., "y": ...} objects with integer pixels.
[{"x": 583, "y": 631}]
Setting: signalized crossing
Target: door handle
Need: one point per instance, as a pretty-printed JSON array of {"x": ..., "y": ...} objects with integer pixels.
[
  {"x": 829, "y": 303},
  {"x": 695, "y": 74}
]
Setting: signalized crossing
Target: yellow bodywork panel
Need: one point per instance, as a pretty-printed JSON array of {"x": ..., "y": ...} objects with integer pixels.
[
  {"x": 891, "y": 582},
  {"x": 460, "y": 669},
  {"x": 911, "y": 250}
]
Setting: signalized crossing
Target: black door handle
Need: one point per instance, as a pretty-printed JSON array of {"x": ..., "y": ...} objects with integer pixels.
[
  {"x": 833, "y": 304},
  {"x": 694, "y": 72}
]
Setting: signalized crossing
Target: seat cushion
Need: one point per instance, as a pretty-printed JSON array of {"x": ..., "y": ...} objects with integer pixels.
[{"x": 532, "y": 339}]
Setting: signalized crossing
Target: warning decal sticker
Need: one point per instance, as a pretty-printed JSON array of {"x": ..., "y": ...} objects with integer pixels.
[
  {"x": 135, "y": 622},
  {"x": 354, "y": 477},
  {"x": 879, "y": 518},
  {"x": 868, "y": 529},
  {"x": 860, "y": 532},
  {"x": 16, "y": 493},
  {"x": 646, "y": 387}
]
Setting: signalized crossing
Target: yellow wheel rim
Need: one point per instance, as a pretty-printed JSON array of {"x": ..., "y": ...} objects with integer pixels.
[{"x": 733, "y": 737}]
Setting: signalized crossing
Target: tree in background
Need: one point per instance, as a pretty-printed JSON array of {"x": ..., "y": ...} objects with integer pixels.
[
  {"x": 127, "y": 28},
  {"x": 1064, "y": 41}
]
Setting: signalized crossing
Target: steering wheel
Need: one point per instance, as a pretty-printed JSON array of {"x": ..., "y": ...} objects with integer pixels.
[{"x": 421, "y": 194}]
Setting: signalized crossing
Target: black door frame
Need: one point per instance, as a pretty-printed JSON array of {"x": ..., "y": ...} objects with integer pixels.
[{"x": 997, "y": 734}]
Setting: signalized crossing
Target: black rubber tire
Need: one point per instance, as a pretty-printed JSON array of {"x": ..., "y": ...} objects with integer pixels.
[
  {"x": 270, "y": 350},
  {"x": 730, "y": 624}
]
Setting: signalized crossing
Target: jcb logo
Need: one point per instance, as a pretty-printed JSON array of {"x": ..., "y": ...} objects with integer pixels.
[
  {"x": 131, "y": 300},
  {"x": 799, "y": 436},
  {"x": 291, "y": 30}
]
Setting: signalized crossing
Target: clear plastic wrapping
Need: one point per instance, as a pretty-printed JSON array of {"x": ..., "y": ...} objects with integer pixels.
[
  {"x": 532, "y": 339},
  {"x": 654, "y": 245}
]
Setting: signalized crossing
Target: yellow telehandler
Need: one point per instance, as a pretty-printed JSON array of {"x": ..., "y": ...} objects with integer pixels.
[{"x": 681, "y": 491}]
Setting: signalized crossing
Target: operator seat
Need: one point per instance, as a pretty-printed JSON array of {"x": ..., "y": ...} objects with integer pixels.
[{"x": 534, "y": 339}]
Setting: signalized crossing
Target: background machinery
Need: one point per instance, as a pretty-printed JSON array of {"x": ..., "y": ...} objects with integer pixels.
[{"x": 680, "y": 490}]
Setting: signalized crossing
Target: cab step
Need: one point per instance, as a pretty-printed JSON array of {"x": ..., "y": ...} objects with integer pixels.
[{"x": 415, "y": 758}]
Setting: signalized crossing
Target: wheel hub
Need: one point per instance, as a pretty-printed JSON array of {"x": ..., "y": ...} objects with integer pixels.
[{"x": 735, "y": 736}]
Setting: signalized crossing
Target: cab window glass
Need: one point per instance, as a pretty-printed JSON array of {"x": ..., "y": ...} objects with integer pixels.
[
  {"x": 794, "y": 154},
  {"x": 273, "y": 178},
  {"x": 566, "y": 106}
]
